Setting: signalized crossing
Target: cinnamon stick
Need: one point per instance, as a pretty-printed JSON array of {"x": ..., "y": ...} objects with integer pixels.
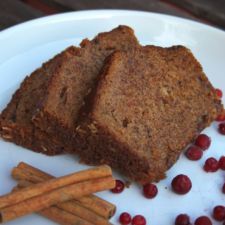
[
  {"x": 62, "y": 217},
  {"x": 54, "y": 197},
  {"x": 99, "y": 206},
  {"x": 54, "y": 183},
  {"x": 74, "y": 208}
]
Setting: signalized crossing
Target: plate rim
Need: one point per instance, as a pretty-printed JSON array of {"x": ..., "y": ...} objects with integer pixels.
[{"x": 102, "y": 13}]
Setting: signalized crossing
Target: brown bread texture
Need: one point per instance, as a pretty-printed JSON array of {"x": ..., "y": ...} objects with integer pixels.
[
  {"x": 73, "y": 79},
  {"x": 150, "y": 103},
  {"x": 16, "y": 119},
  {"x": 56, "y": 91}
]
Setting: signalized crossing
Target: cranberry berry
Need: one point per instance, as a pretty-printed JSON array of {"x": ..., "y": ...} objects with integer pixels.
[
  {"x": 182, "y": 219},
  {"x": 219, "y": 93},
  {"x": 194, "y": 153},
  {"x": 150, "y": 190},
  {"x": 222, "y": 163},
  {"x": 119, "y": 187},
  {"x": 220, "y": 118},
  {"x": 211, "y": 165},
  {"x": 219, "y": 213},
  {"x": 203, "y": 141},
  {"x": 221, "y": 128},
  {"x": 181, "y": 184},
  {"x": 138, "y": 220},
  {"x": 125, "y": 218},
  {"x": 223, "y": 188},
  {"x": 203, "y": 220}
]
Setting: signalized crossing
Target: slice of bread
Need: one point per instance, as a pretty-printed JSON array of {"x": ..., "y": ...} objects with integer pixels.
[
  {"x": 42, "y": 89},
  {"x": 73, "y": 79},
  {"x": 16, "y": 119},
  {"x": 150, "y": 103}
]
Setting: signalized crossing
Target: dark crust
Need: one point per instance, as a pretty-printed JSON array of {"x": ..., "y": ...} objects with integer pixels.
[
  {"x": 107, "y": 149},
  {"x": 22, "y": 131},
  {"x": 101, "y": 146},
  {"x": 30, "y": 138}
]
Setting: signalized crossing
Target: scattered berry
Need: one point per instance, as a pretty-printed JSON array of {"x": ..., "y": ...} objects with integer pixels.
[
  {"x": 223, "y": 188},
  {"x": 219, "y": 92},
  {"x": 211, "y": 165},
  {"x": 181, "y": 184},
  {"x": 220, "y": 118},
  {"x": 221, "y": 128},
  {"x": 119, "y": 187},
  {"x": 150, "y": 190},
  {"x": 125, "y": 218},
  {"x": 219, "y": 213},
  {"x": 203, "y": 220},
  {"x": 138, "y": 220},
  {"x": 194, "y": 153},
  {"x": 222, "y": 163},
  {"x": 182, "y": 219},
  {"x": 203, "y": 141}
]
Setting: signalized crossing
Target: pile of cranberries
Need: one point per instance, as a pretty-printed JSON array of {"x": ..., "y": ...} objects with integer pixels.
[
  {"x": 125, "y": 219},
  {"x": 195, "y": 151},
  {"x": 212, "y": 164},
  {"x": 150, "y": 190},
  {"x": 218, "y": 214}
]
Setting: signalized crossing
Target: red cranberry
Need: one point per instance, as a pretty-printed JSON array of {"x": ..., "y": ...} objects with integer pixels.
[
  {"x": 181, "y": 184},
  {"x": 220, "y": 118},
  {"x": 222, "y": 163},
  {"x": 221, "y": 128},
  {"x": 182, "y": 219},
  {"x": 203, "y": 141},
  {"x": 211, "y": 165},
  {"x": 219, "y": 213},
  {"x": 194, "y": 153},
  {"x": 138, "y": 220},
  {"x": 125, "y": 218},
  {"x": 150, "y": 190},
  {"x": 119, "y": 187},
  {"x": 219, "y": 92},
  {"x": 223, "y": 188},
  {"x": 203, "y": 220}
]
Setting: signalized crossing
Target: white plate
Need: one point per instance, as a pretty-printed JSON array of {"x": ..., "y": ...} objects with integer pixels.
[{"x": 24, "y": 47}]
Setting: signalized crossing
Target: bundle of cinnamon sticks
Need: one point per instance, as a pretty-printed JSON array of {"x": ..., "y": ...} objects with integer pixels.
[{"x": 67, "y": 200}]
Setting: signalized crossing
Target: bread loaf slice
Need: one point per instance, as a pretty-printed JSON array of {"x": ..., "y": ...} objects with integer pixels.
[
  {"x": 73, "y": 79},
  {"x": 52, "y": 95},
  {"x": 16, "y": 119},
  {"x": 150, "y": 103}
]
